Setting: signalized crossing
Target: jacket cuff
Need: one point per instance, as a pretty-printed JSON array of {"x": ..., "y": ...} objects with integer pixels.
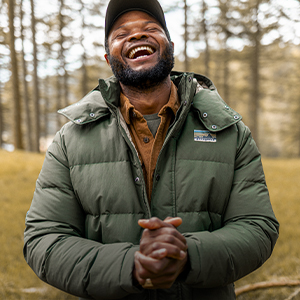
[
  {"x": 193, "y": 275},
  {"x": 126, "y": 282}
]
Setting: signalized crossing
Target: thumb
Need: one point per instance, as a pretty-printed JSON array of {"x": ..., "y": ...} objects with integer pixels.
[{"x": 173, "y": 221}]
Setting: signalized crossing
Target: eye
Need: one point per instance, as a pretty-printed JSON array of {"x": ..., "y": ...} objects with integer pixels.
[
  {"x": 151, "y": 29},
  {"x": 120, "y": 35}
]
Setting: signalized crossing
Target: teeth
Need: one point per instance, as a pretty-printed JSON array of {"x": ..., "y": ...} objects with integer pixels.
[{"x": 143, "y": 48}]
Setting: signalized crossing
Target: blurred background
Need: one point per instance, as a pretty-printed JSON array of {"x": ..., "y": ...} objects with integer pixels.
[{"x": 52, "y": 54}]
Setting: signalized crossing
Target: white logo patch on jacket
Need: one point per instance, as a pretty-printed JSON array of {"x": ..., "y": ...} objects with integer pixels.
[{"x": 205, "y": 136}]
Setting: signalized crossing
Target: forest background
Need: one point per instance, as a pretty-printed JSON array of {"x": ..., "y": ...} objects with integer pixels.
[{"x": 51, "y": 55}]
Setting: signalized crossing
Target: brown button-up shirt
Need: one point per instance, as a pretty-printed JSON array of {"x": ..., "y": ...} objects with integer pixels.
[{"x": 148, "y": 147}]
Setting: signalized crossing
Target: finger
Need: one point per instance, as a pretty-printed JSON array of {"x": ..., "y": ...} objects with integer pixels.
[
  {"x": 169, "y": 251},
  {"x": 159, "y": 254},
  {"x": 173, "y": 221},
  {"x": 166, "y": 278},
  {"x": 150, "y": 267},
  {"x": 166, "y": 234},
  {"x": 153, "y": 223},
  {"x": 138, "y": 269},
  {"x": 174, "y": 247},
  {"x": 170, "y": 239}
]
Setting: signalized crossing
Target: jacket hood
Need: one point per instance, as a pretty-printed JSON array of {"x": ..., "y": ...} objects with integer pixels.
[{"x": 214, "y": 113}]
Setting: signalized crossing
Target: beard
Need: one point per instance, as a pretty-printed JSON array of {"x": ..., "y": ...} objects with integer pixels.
[{"x": 144, "y": 79}]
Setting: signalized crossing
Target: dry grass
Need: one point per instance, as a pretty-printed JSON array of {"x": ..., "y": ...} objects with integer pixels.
[
  {"x": 283, "y": 179},
  {"x": 19, "y": 171}
]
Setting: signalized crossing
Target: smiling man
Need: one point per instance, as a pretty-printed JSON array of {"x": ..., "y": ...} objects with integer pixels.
[{"x": 155, "y": 188}]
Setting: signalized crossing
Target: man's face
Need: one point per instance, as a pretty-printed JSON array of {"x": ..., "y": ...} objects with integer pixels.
[{"x": 140, "y": 52}]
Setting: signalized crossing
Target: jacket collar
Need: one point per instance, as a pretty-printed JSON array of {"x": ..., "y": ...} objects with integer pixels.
[
  {"x": 214, "y": 113},
  {"x": 96, "y": 104}
]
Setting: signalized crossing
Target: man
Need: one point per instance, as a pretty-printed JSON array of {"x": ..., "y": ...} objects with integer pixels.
[{"x": 155, "y": 189}]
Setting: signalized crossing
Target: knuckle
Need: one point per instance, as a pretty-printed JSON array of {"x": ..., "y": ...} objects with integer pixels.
[
  {"x": 171, "y": 231},
  {"x": 142, "y": 242},
  {"x": 155, "y": 246},
  {"x": 156, "y": 269},
  {"x": 146, "y": 232},
  {"x": 143, "y": 273},
  {"x": 170, "y": 239},
  {"x": 176, "y": 251},
  {"x": 154, "y": 219}
]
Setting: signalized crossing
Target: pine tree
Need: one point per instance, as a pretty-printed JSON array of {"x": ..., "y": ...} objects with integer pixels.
[
  {"x": 255, "y": 22},
  {"x": 36, "y": 91},
  {"x": 18, "y": 137},
  {"x": 26, "y": 98}
]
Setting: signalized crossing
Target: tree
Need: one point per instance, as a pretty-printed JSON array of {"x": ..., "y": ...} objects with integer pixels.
[
  {"x": 26, "y": 101},
  {"x": 183, "y": 5},
  {"x": 224, "y": 25},
  {"x": 84, "y": 75},
  {"x": 62, "y": 73},
  {"x": 257, "y": 18},
  {"x": 18, "y": 138},
  {"x": 204, "y": 31},
  {"x": 186, "y": 36},
  {"x": 36, "y": 91}
]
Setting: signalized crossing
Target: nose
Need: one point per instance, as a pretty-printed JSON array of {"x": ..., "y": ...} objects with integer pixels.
[{"x": 137, "y": 36}]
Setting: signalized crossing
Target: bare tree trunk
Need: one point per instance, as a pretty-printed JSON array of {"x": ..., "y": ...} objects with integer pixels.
[
  {"x": 58, "y": 100},
  {"x": 18, "y": 139},
  {"x": 226, "y": 73},
  {"x": 84, "y": 75},
  {"x": 84, "y": 79},
  {"x": 66, "y": 88},
  {"x": 35, "y": 81},
  {"x": 46, "y": 110},
  {"x": 186, "y": 37},
  {"x": 255, "y": 88},
  {"x": 62, "y": 54},
  {"x": 205, "y": 34},
  {"x": 28, "y": 124}
]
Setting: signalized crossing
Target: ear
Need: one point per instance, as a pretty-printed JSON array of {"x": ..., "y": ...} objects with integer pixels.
[
  {"x": 172, "y": 45},
  {"x": 106, "y": 58}
]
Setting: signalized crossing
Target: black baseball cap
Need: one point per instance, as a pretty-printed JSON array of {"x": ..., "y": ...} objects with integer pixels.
[{"x": 116, "y": 8}]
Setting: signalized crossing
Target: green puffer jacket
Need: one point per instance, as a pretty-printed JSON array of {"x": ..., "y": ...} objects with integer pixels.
[{"x": 82, "y": 231}]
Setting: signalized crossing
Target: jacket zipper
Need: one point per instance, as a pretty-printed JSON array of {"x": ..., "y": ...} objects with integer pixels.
[
  {"x": 136, "y": 160},
  {"x": 176, "y": 125}
]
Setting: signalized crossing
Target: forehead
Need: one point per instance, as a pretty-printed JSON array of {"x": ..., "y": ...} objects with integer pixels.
[{"x": 133, "y": 17}]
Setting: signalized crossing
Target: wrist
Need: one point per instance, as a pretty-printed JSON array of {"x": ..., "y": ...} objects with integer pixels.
[
  {"x": 134, "y": 278},
  {"x": 185, "y": 269}
]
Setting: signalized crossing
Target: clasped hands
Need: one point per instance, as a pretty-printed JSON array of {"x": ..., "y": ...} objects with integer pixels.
[{"x": 163, "y": 253}]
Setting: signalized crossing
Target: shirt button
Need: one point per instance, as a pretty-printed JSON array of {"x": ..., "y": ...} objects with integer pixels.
[{"x": 146, "y": 140}]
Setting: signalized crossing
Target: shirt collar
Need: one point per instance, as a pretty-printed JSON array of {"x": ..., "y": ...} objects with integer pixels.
[{"x": 128, "y": 110}]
